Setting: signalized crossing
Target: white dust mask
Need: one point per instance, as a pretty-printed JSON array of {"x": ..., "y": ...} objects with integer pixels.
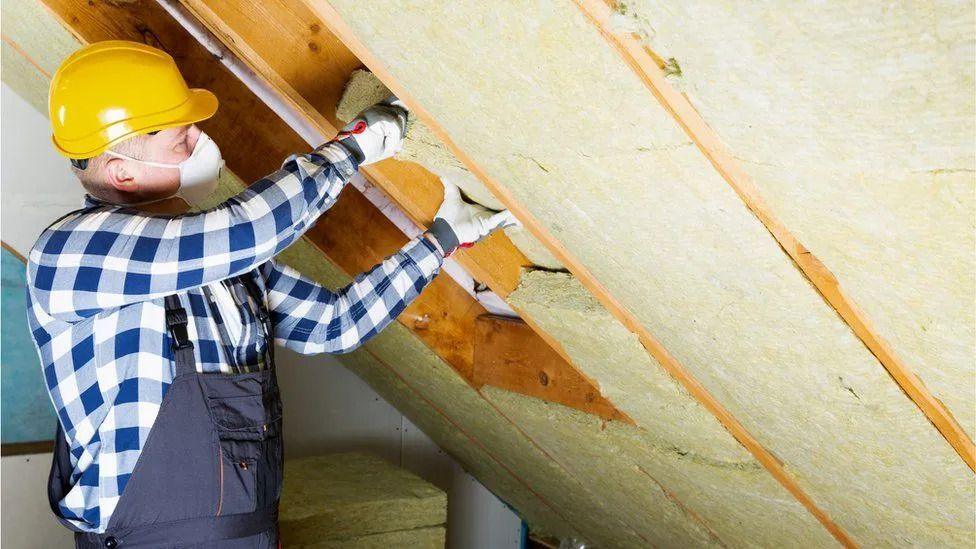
[{"x": 198, "y": 173}]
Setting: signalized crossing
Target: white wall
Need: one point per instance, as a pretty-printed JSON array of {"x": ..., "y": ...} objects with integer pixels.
[
  {"x": 36, "y": 184},
  {"x": 27, "y": 521},
  {"x": 328, "y": 409}
]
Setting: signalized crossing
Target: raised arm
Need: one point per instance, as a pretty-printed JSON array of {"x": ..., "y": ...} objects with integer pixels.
[
  {"x": 310, "y": 319},
  {"x": 109, "y": 256}
]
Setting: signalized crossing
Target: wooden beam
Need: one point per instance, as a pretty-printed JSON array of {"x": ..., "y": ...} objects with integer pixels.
[
  {"x": 507, "y": 355},
  {"x": 468, "y": 341},
  {"x": 309, "y": 72},
  {"x": 646, "y": 65},
  {"x": 328, "y": 15}
]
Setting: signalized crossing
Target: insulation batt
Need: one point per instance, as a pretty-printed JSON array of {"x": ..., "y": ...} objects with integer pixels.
[
  {"x": 345, "y": 498},
  {"x": 678, "y": 444},
  {"x": 614, "y": 179},
  {"x": 423, "y": 147}
]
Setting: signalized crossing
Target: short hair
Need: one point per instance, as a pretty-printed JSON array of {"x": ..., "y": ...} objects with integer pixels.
[{"x": 93, "y": 176}]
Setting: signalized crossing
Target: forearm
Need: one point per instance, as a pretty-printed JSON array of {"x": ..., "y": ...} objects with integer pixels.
[{"x": 321, "y": 320}]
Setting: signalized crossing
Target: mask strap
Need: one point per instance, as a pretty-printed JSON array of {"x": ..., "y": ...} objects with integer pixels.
[{"x": 146, "y": 162}]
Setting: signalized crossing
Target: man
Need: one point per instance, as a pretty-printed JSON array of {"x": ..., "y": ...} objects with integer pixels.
[{"x": 156, "y": 330}]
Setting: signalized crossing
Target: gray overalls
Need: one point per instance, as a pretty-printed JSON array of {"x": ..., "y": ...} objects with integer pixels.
[{"x": 210, "y": 473}]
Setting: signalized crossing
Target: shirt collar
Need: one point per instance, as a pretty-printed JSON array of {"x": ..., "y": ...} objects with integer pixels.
[{"x": 91, "y": 201}]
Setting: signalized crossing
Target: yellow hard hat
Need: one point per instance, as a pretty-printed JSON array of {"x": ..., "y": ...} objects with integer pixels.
[{"x": 109, "y": 91}]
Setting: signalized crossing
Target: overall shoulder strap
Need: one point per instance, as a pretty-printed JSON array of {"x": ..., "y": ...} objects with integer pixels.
[
  {"x": 263, "y": 315},
  {"x": 176, "y": 321}
]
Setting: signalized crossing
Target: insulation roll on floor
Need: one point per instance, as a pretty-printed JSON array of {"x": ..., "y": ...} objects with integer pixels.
[{"x": 358, "y": 501}]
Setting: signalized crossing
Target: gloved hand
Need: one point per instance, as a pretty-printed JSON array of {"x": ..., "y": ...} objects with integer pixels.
[
  {"x": 377, "y": 132},
  {"x": 460, "y": 224}
]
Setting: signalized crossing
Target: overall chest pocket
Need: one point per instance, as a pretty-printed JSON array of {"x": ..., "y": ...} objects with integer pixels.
[{"x": 246, "y": 414}]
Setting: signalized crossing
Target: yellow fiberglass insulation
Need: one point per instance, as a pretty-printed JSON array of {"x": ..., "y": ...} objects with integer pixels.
[
  {"x": 678, "y": 443},
  {"x": 856, "y": 121}
]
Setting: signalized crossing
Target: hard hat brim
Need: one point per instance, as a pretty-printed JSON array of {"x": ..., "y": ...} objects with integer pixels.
[{"x": 201, "y": 105}]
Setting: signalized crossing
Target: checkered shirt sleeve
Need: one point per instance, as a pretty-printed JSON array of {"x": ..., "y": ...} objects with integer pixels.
[
  {"x": 107, "y": 256},
  {"x": 309, "y": 318}
]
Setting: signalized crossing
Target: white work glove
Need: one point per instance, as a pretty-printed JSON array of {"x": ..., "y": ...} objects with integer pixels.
[
  {"x": 377, "y": 132},
  {"x": 460, "y": 224}
]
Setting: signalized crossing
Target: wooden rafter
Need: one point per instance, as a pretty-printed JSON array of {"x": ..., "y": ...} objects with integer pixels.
[
  {"x": 647, "y": 66},
  {"x": 328, "y": 15},
  {"x": 330, "y": 235}
]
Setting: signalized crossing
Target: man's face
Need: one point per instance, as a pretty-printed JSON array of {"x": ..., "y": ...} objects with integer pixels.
[{"x": 169, "y": 146}]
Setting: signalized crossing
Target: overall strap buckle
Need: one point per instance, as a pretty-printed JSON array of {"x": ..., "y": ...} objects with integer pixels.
[{"x": 176, "y": 321}]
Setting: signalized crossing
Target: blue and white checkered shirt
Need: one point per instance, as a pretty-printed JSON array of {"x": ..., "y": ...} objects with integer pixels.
[{"x": 96, "y": 286}]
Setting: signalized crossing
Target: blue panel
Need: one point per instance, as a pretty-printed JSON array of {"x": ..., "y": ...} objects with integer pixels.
[{"x": 26, "y": 413}]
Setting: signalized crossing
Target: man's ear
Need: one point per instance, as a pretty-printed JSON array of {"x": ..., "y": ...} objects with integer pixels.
[{"x": 119, "y": 175}]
